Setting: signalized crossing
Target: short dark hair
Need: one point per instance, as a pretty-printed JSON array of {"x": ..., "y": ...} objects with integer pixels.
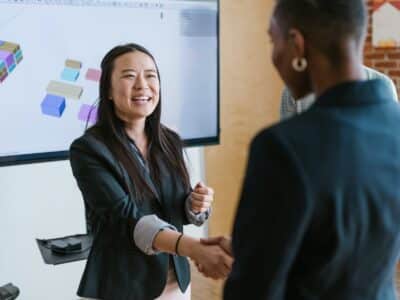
[{"x": 324, "y": 23}]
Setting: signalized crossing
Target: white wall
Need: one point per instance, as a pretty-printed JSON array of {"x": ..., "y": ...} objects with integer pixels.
[{"x": 43, "y": 201}]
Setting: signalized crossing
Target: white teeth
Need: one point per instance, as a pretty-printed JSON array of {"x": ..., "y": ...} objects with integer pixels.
[{"x": 141, "y": 98}]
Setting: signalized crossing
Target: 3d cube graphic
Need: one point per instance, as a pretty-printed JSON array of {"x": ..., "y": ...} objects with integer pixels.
[
  {"x": 73, "y": 64},
  {"x": 18, "y": 56},
  {"x": 69, "y": 74},
  {"x": 10, "y": 47},
  {"x": 53, "y": 105},
  {"x": 3, "y": 71},
  {"x": 10, "y": 56},
  {"x": 93, "y": 74},
  {"x": 88, "y": 113},
  {"x": 64, "y": 89},
  {"x": 13, "y": 48}
]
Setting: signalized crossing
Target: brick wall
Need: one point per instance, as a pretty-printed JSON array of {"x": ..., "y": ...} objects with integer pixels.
[{"x": 384, "y": 60}]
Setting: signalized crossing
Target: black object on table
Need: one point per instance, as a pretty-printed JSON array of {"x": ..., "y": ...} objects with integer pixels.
[
  {"x": 65, "y": 249},
  {"x": 8, "y": 292}
]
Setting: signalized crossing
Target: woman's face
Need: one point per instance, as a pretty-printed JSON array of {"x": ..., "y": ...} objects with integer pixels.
[
  {"x": 285, "y": 49},
  {"x": 135, "y": 86}
]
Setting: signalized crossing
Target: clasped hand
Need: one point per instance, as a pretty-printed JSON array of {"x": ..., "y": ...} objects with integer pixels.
[
  {"x": 214, "y": 257},
  {"x": 201, "y": 198}
]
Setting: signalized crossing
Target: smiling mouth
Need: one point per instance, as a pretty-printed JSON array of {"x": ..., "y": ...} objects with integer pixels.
[{"x": 141, "y": 99}]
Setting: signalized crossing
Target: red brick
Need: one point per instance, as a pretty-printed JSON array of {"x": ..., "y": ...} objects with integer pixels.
[
  {"x": 374, "y": 55},
  {"x": 394, "y": 55},
  {"x": 368, "y": 63},
  {"x": 368, "y": 48},
  {"x": 386, "y": 64},
  {"x": 377, "y": 49},
  {"x": 383, "y": 59},
  {"x": 394, "y": 73}
]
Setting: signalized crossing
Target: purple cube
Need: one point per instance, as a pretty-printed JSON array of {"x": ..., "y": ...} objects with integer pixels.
[
  {"x": 8, "y": 57},
  {"x": 53, "y": 105},
  {"x": 88, "y": 113}
]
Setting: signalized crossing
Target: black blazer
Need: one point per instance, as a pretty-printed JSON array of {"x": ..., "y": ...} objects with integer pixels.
[
  {"x": 116, "y": 269},
  {"x": 319, "y": 215}
]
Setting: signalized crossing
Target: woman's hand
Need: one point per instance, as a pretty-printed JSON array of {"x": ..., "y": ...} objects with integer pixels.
[
  {"x": 201, "y": 198},
  {"x": 223, "y": 241},
  {"x": 211, "y": 260}
]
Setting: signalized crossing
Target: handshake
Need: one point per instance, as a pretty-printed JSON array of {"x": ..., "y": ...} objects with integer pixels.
[{"x": 214, "y": 257}]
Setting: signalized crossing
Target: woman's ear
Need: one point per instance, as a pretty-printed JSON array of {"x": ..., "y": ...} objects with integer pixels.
[{"x": 296, "y": 39}]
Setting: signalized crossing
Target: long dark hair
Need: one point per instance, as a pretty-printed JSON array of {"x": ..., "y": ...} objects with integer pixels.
[{"x": 165, "y": 145}]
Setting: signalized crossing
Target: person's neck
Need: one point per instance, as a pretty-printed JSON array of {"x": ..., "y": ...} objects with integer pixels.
[
  {"x": 327, "y": 75},
  {"x": 136, "y": 131}
]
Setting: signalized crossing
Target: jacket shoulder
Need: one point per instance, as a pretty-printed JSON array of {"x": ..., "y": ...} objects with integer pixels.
[
  {"x": 91, "y": 138},
  {"x": 91, "y": 145}
]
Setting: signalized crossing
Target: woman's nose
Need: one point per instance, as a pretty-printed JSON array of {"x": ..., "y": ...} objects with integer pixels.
[{"x": 141, "y": 82}]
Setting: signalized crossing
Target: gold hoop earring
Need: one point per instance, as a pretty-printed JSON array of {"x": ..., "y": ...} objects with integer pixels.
[{"x": 299, "y": 64}]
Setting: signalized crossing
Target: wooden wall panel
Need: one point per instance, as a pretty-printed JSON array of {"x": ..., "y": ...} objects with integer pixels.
[{"x": 250, "y": 94}]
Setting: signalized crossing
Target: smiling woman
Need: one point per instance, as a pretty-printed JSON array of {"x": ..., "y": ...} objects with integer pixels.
[
  {"x": 131, "y": 172},
  {"x": 135, "y": 88}
]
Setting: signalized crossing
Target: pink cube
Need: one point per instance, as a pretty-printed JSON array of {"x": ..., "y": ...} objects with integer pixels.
[{"x": 93, "y": 74}]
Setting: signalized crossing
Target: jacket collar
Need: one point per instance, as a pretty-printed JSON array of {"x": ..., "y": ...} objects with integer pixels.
[{"x": 356, "y": 93}]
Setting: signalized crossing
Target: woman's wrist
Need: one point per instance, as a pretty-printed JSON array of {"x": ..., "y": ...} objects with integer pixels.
[
  {"x": 187, "y": 246},
  {"x": 177, "y": 244}
]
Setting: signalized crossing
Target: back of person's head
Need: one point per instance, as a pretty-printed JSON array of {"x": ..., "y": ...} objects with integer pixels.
[
  {"x": 317, "y": 41},
  {"x": 325, "y": 24}
]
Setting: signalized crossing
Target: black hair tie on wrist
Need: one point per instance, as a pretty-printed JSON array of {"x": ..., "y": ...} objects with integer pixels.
[{"x": 177, "y": 244}]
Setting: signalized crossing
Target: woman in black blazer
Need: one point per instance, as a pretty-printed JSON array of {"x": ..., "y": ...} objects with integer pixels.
[
  {"x": 319, "y": 213},
  {"x": 131, "y": 172}
]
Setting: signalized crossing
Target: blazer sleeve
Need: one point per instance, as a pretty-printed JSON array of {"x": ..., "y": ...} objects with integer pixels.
[
  {"x": 101, "y": 188},
  {"x": 270, "y": 224}
]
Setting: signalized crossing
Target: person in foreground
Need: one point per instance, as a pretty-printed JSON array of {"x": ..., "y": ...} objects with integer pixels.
[
  {"x": 319, "y": 213},
  {"x": 131, "y": 172}
]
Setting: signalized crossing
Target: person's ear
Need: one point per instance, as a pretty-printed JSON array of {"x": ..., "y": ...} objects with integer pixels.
[{"x": 296, "y": 39}]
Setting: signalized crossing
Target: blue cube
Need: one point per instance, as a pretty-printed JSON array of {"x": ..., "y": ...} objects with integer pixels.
[
  {"x": 11, "y": 68},
  {"x": 69, "y": 74},
  {"x": 53, "y": 105},
  {"x": 18, "y": 56}
]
